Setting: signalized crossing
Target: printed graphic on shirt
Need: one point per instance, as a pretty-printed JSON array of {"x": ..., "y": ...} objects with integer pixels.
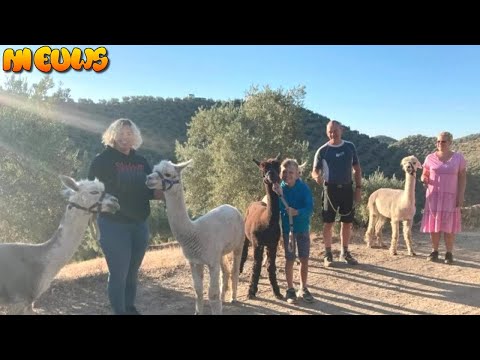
[{"x": 130, "y": 177}]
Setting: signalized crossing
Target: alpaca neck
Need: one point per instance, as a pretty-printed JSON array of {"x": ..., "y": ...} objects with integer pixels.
[
  {"x": 62, "y": 246},
  {"x": 177, "y": 215},
  {"x": 409, "y": 192},
  {"x": 273, "y": 208}
]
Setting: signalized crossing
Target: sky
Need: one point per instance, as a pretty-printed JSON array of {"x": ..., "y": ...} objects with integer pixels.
[{"x": 392, "y": 90}]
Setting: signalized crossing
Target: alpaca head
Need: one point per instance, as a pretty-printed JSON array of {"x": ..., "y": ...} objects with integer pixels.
[
  {"x": 410, "y": 164},
  {"x": 165, "y": 175},
  {"x": 270, "y": 169},
  {"x": 89, "y": 195}
]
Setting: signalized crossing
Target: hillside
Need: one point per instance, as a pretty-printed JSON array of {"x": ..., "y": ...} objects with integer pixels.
[
  {"x": 385, "y": 139},
  {"x": 470, "y": 148},
  {"x": 164, "y": 121}
]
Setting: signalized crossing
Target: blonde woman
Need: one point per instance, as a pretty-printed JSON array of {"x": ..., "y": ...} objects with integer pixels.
[
  {"x": 444, "y": 175},
  {"x": 124, "y": 235}
]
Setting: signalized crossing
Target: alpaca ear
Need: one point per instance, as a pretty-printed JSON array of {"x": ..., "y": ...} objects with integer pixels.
[
  {"x": 302, "y": 167},
  {"x": 183, "y": 165},
  {"x": 418, "y": 164},
  {"x": 256, "y": 162},
  {"x": 278, "y": 157},
  {"x": 69, "y": 182}
]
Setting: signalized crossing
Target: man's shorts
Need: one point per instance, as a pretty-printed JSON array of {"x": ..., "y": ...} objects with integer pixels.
[{"x": 337, "y": 199}]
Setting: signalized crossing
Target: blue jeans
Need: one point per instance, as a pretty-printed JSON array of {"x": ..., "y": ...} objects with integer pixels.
[{"x": 124, "y": 247}]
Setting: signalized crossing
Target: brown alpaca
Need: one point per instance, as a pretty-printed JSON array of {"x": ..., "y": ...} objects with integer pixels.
[{"x": 262, "y": 229}]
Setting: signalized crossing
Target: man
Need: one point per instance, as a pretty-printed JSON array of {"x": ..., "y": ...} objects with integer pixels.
[{"x": 332, "y": 168}]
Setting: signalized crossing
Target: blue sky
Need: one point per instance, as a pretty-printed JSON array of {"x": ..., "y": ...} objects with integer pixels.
[{"x": 392, "y": 90}]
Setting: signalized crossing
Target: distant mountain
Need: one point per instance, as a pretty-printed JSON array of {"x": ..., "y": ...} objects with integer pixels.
[
  {"x": 385, "y": 139},
  {"x": 472, "y": 137},
  {"x": 163, "y": 121},
  {"x": 418, "y": 145}
]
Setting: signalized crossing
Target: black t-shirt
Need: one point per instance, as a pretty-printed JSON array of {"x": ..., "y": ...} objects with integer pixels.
[{"x": 124, "y": 177}]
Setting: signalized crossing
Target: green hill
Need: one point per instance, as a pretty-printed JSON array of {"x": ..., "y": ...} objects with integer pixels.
[{"x": 385, "y": 139}]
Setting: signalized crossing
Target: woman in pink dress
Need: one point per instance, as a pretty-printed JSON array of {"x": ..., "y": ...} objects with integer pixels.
[{"x": 444, "y": 175}]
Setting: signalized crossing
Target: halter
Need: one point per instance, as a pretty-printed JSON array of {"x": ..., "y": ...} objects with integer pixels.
[
  {"x": 413, "y": 171},
  {"x": 167, "y": 181},
  {"x": 291, "y": 243},
  {"x": 91, "y": 209}
]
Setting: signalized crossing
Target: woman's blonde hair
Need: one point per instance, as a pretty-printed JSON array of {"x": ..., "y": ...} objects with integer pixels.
[
  {"x": 109, "y": 136},
  {"x": 448, "y": 135}
]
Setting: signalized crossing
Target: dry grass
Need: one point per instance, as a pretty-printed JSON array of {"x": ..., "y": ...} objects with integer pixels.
[{"x": 167, "y": 258}]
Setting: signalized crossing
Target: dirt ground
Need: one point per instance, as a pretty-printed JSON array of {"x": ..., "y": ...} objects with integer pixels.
[{"x": 380, "y": 284}]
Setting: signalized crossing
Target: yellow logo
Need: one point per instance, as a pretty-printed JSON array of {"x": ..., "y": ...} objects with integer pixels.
[{"x": 46, "y": 59}]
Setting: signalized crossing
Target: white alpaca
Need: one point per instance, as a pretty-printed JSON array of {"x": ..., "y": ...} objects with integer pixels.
[
  {"x": 396, "y": 205},
  {"x": 27, "y": 270},
  {"x": 206, "y": 241}
]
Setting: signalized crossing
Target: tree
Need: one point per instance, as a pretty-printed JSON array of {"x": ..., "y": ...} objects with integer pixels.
[
  {"x": 34, "y": 149},
  {"x": 224, "y": 140}
]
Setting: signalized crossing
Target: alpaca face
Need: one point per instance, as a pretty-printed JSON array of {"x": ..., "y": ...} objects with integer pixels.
[
  {"x": 90, "y": 195},
  {"x": 165, "y": 174},
  {"x": 410, "y": 164},
  {"x": 270, "y": 171}
]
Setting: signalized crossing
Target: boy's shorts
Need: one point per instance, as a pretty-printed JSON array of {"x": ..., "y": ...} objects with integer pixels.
[{"x": 301, "y": 241}]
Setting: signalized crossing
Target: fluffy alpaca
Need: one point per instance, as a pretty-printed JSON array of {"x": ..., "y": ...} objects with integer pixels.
[
  {"x": 27, "y": 270},
  {"x": 206, "y": 241},
  {"x": 396, "y": 205},
  {"x": 262, "y": 229}
]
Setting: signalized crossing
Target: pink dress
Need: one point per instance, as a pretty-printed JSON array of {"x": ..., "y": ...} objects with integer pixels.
[{"x": 441, "y": 213}]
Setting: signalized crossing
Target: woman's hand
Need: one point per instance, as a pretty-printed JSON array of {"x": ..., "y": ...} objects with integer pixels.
[
  {"x": 460, "y": 201},
  {"x": 158, "y": 195},
  {"x": 358, "y": 195}
]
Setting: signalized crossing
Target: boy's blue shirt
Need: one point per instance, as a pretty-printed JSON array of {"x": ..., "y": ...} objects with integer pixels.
[{"x": 298, "y": 197}]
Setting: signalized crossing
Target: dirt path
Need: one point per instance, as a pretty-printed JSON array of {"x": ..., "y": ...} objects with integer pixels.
[{"x": 380, "y": 284}]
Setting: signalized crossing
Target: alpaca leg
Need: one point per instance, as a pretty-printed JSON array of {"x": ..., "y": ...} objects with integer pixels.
[
  {"x": 225, "y": 278},
  {"x": 407, "y": 235},
  {"x": 372, "y": 220},
  {"x": 214, "y": 290},
  {"x": 395, "y": 234},
  {"x": 272, "y": 270},
  {"x": 244, "y": 254},
  {"x": 379, "y": 231},
  {"x": 257, "y": 268},
  {"x": 237, "y": 254},
  {"x": 197, "y": 274}
]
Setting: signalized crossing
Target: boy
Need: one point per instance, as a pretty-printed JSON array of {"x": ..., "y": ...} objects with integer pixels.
[{"x": 299, "y": 198}]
